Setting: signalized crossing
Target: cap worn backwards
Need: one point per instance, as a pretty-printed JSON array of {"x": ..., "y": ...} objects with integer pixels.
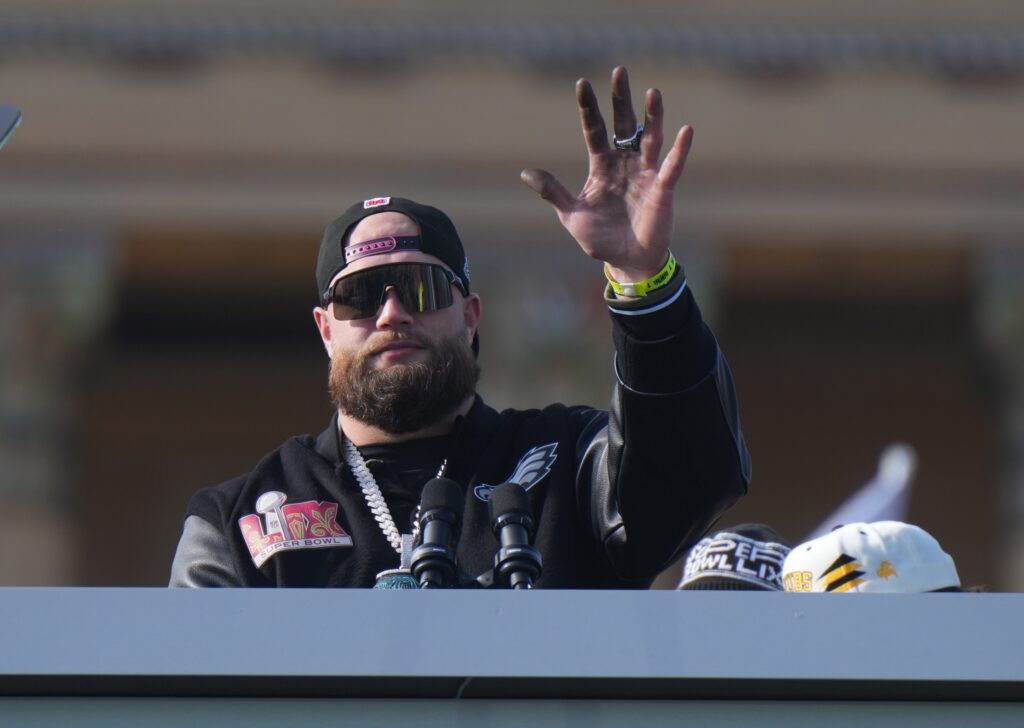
[
  {"x": 438, "y": 237},
  {"x": 745, "y": 557},
  {"x": 885, "y": 557}
]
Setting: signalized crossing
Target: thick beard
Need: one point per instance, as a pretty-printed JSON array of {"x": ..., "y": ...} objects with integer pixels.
[{"x": 403, "y": 398}]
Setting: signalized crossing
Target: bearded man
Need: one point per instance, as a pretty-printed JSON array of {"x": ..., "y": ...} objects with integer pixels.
[{"x": 616, "y": 495}]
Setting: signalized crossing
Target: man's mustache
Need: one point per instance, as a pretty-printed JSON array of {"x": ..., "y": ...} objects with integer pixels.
[{"x": 383, "y": 339}]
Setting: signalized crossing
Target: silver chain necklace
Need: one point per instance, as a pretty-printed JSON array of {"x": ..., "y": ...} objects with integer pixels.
[{"x": 400, "y": 542}]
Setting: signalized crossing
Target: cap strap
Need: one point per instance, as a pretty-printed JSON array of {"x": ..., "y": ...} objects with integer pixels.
[{"x": 379, "y": 246}]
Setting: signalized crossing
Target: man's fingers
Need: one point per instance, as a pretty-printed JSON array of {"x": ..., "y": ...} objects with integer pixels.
[
  {"x": 545, "y": 185},
  {"x": 650, "y": 144},
  {"x": 594, "y": 131},
  {"x": 622, "y": 104},
  {"x": 675, "y": 160}
]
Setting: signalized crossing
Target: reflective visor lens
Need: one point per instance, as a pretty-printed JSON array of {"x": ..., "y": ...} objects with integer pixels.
[{"x": 420, "y": 287}]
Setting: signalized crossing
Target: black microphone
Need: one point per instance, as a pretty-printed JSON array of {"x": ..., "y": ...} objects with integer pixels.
[
  {"x": 433, "y": 561},
  {"x": 516, "y": 564}
]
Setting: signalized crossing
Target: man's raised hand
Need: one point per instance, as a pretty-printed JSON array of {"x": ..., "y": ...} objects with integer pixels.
[{"x": 624, "y": 213}]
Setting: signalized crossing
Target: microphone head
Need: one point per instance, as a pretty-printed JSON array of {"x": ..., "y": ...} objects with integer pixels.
[
  {"x": 441, "y": 493},
  {"x": 516, "y": 564},
  {"x": 509, "y": 499},
  {"x": 433, "y": 562}
]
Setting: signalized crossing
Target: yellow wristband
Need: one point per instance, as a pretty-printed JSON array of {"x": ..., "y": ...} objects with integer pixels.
[{"x": 642, "y": 288}]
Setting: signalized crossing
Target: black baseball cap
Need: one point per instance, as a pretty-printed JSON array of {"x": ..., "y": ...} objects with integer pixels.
[
  {"x": 438, "y": 237},
  {"x": 745, "y": 557}
]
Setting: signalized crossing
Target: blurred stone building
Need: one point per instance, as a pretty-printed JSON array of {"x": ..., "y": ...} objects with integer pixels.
[{"x": 850, "y": 219}]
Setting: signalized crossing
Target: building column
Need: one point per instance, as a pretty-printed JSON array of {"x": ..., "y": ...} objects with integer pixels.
[
  {"x": 55, "y": 289},
  {"x": 1000, "y": 326}
]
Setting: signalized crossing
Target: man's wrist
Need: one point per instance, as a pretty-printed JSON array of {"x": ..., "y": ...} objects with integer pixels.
[{"x": 639, "y": 289}]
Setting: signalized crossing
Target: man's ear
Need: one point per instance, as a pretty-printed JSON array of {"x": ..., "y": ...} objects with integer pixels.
[
  {"x": 471, "y": 314},
  {"x": 322, "y": 317}
]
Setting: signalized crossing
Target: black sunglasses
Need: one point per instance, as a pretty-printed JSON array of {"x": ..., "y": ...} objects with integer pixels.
[{"x": 421, "y": 287}]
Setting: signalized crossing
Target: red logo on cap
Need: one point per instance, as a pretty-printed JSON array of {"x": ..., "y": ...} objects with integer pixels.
[{"x": 376, "y": 202}]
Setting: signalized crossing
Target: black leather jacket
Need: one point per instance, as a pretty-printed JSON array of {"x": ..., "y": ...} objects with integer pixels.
[{"x": 617, "y": 496}]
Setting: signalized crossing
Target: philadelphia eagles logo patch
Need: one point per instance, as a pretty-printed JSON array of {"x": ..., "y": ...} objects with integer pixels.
[{"x": 532, "y": 468}]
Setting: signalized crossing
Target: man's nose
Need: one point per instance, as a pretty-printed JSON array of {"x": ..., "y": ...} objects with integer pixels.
[{"x": 392, "y": 313}]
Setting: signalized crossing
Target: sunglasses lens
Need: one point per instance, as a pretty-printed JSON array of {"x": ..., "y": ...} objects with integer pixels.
[{"x": 420, "y": 288}]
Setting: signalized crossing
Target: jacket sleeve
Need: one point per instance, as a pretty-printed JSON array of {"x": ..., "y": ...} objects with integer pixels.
[
  {"x": 672, "y": 457},
  {"x": 203, "y": 557}
]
